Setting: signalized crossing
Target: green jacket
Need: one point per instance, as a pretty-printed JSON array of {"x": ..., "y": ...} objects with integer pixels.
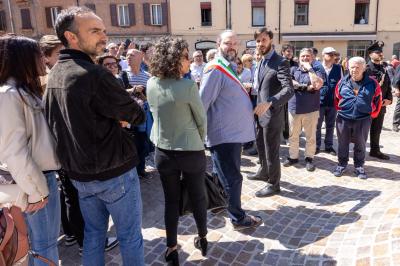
[{"x": 179, "y": 116}]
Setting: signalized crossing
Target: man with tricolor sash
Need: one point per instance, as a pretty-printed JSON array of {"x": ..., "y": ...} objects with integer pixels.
[{"x": 230, "y": 123}]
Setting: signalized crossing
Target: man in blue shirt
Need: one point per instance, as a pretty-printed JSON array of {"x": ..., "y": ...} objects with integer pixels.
[{"x": 230, "y": 123}]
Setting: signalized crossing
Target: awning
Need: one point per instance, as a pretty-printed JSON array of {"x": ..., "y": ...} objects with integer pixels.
[{"x": 329, "y": 37}]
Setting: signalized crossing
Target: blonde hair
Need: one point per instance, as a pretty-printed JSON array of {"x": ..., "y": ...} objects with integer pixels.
[{"x": 247, "y": 58}]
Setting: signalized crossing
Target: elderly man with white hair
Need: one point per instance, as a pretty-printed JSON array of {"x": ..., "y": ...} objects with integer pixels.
[
  {"x": 196, "y": 68},
  {"x": 358, "y": 99}
]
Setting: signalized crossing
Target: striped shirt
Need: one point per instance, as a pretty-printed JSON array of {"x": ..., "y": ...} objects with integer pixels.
[{"x": 139, "y": 79}]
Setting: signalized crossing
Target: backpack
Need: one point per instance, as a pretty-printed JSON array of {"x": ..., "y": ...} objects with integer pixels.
[{"x": 14, "y": 243}]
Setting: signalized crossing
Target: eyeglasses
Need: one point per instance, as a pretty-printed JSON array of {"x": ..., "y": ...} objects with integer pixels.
[{"x": 109, "y": 65}]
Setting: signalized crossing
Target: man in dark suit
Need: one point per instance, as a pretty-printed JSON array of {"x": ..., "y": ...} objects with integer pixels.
[{"x": 274, "y": 88}]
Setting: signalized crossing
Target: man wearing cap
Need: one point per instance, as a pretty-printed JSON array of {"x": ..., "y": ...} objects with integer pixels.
[
  {"x": 327, "y": 110},
  {"x": 376, "y": 70}
]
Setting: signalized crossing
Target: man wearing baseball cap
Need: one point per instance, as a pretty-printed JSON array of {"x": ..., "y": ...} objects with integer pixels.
[
  {"x": 376, "y": 70},
  {"x": 327, "y": 109}
]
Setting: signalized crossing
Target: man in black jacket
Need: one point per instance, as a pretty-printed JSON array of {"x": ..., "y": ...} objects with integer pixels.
[
  {"x": 376, "y": 70},
  {"x": 274, "y": 88},
  {"x": 85, "y": 106}
]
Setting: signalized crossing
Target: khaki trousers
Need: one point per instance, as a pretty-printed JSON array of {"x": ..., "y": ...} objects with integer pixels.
[{"x": 298, "y": 122}]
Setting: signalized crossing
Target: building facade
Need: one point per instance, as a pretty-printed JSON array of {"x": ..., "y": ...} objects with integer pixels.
[
  {"x": 347, "y": 25},
  {"x": 141, "y": 20}
]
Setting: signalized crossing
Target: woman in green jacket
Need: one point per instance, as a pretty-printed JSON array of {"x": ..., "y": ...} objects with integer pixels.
[{"x": 178, "y": 133}]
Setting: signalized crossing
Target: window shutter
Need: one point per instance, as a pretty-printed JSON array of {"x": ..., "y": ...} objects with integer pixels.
[
  {"x": 205, "y": 5},
  {"x": 26, "y": 18},
  {"x": 258, "y": 3},
  {"x": 164, "y": 11},
  {"x": 146, "y": 14},
  {"x": 113, "y": 14},
  {"x": 132, "y": 17},
  {"x": 91, "y": 7},
  {"x": 3, "y": 24},
  {"x": 301, "y": 1},
  {"x": 48, "y": 17},
  {"x": 362, "y": 1}
]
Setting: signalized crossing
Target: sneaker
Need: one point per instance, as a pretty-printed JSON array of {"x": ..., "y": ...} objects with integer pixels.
[
  {"x": 396, "y": 128},
  {"x": 80, "y": 251},
  {"x": 331, "y": 151},
  {"x": 69, "y": 240},
  {"x": 111, "y": 242},
  {"x": 309, "y": 164},
  {"x": 359, "y": 171},
  {"x": 290, "y": 162},
  {"x": 339, "y": 170},
  {"x": 249, "y": 221}
]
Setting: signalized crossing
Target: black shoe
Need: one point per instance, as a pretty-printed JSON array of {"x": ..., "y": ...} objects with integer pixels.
[
  {"x": 143, "y": 175},
  {"x": 396, "y": 128},
  {"x": 379, "y": 155},
  {"x": 172, "y": 258},
  {"x": 331, "y": 151},
  {"x": 267, "y": 191},
  {"x": 289, "y": 162},
  {"x": 309, "y": 164},
  {"x": 70, "y": 240},
  {"x": 257, "y": 176},
  {"x": 111, "y": 242},
  {"x": 317, "y": 150},
  {"x": 252, "y": 151},
  {"x": 201, "y": 243}
]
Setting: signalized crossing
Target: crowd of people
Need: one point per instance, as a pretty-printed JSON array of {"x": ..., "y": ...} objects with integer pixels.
[{"x": 87, "y": 112}]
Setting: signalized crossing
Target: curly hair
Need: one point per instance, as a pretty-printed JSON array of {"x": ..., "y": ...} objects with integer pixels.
[{"x": 166, "y": 59}]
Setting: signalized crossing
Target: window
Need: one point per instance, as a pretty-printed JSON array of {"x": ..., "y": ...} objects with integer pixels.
[
  {"x": 258, "y": 15},
  {"x": 206, "y": 19},
  {"x": 26, "y": 19},
  {"x": 396, "y": 49},
  {"x": 301, "y": 12},
  {"x": 123, "y": 15},
  {"x": 357, "y": 48},
  {"x": 361, "y": 15},
  {"x": 54, "y": 11},
  {"x": 3, "y": 24},
  {"x": 156, "y": 15},
  {"x": 300, "y": 45}
]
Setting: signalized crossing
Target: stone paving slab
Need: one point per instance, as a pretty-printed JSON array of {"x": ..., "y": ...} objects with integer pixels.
[{"x": 317, "y": 219}]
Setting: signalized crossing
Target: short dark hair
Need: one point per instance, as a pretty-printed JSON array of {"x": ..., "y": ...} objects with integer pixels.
[
  {"x": 258, "y": 32},
  {"x": 65, "y": 21},
  {"x": 145, "y": 47},
  {"x": 287, "y": 47},
  {"x": 166, "y": 59},
  {"x": 100, "y": 59},
  {"x": 314, "y": 51}
]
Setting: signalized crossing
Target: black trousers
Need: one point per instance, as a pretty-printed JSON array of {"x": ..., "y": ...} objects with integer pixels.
[
  {"x": 352, "y": 131},
  {"x": 268, "y": 141},
  {"x": 376, "y": 129},
  {"x": 71, "y": 216},
  {"x": 286, "y": 122},
  {"x": 191, "y": 165},
  {"x": 396, "y": 115}
]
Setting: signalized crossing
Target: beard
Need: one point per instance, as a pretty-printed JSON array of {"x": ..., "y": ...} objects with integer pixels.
[
  {"x": 90, "y": 50},
  {"x": 230, "y": 55},
  {"x": 265, "y": 49}
]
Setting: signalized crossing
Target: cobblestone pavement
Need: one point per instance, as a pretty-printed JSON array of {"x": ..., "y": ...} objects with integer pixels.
[{"x": 317, "y": 219}]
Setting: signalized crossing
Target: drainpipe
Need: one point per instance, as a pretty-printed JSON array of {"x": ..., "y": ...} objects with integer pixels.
[
  {"x": 169, "y": 15},
  {"x": 226, "y": 14},
  {"x": 377, "y": 16},
  {"x": 279, "y": 22},
  {"x": 11, "y": 16},
  {"x": 230, "y": 14}
]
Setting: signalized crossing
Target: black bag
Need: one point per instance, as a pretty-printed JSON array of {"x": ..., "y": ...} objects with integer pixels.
[{"x": 215, "y": 195}]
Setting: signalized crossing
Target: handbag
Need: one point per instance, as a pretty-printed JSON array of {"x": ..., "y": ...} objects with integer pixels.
[
  {"x": 216, "y": 196},
  {"x": 14, "y": 243}
]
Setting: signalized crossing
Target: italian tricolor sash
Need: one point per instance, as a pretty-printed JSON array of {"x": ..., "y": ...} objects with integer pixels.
[{"x": 222, "y": 65}]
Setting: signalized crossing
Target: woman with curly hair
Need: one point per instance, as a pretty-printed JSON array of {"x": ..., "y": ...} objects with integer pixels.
[
  {"x": 27, "y": 148},
  {"x": 178, "y": 134}
]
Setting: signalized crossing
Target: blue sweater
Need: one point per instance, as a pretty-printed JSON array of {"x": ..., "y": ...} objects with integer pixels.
[
  {"x": 304, "y": 102},
  {"x": 357, "y": 106}
]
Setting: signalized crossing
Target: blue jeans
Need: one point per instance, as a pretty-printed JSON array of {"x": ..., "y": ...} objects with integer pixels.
[
  {"x": 329, "y": 115},
  {"x": 44, "y": 225},
  {"x": 226, "y": 158},
  {"x": 120, "y": 197}
]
